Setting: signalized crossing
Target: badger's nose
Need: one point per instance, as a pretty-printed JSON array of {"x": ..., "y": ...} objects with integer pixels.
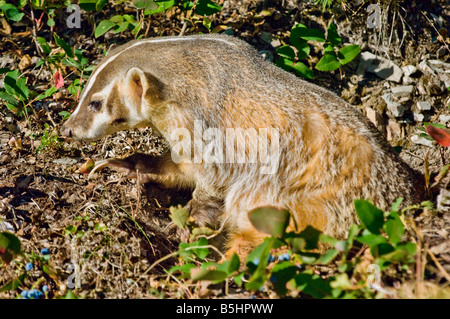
[{"x": 66, "y": 131}]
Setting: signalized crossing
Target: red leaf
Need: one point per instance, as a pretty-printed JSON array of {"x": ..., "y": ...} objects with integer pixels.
[
  {"x": 440, "y": 135},
  {"x": 59, "y": 80},
  {"x": 87, "y": 166}
]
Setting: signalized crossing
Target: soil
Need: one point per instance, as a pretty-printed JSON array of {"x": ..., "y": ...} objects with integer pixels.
[{"x": 119, "y": 226}]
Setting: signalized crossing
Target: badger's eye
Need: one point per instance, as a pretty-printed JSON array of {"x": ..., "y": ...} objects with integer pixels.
[{"x": 95, "y": 106}]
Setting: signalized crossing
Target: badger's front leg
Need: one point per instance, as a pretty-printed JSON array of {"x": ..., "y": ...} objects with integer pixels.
[
  {"x": 204, "y": 207},
  {"x": 155, "y": 168}
]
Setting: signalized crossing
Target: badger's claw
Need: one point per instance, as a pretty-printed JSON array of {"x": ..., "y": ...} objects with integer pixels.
[{"x": 142, "y": 163}]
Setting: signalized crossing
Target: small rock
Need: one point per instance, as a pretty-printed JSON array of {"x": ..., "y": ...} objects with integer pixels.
[
  {"x": 443, "y": 200},
  {"x": 409, "y": 70},
  {"x": 266, "y": 36},
  {"x": 416, "y": 139},
  {"x": 275, "y": 43},
  {"x": 424, "y": 105},
  {"x": 65, "y": 161},
  {"x": 441, "y": 52},
  {"x": 418, "y": 117},
  {"x": 375, "y": 118},
  {"x": 382, "y": 67},
  {"x": 444, "y": 118},
  {"x": 424, "y": 67},
  {"x": 403, "y": 91},
  {"x": 5, "y": 226},
  {"x": 421, "y": 88},
  {"x": 437, "y": 68},
  {"x": 395, "y": 108},
  {"x": 393, "y": 130}
]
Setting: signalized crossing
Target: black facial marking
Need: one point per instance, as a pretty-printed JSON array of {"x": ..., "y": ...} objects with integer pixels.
[
  {"x": 118, "y": 121},
  {"x": 95, "y": 106}
]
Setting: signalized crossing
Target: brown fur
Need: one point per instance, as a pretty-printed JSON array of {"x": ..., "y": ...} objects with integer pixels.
[{"x": 330, "y": 154}]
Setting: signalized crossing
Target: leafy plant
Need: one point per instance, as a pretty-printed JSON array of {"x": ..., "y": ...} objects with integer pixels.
[
  {"x": 11, "y": 11},
  {"x": 332, "y": 59},
  {"x": 196, "y": 13},
  {"x": 49, "y": 138},
  {"x": 10, "y": 247},
  {"x": 286, "y": 260},
  {"x": 326, "y": 4},
  {"x": 436, "y": 132}
]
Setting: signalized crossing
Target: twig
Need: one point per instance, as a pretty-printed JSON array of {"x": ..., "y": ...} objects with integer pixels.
[
  {"x": 34, "y": 33},
  {"x": 429, "y": 21},
  {"x": 438, "y": 265}
]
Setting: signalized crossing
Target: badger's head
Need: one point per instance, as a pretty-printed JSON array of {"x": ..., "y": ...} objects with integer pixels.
[{"x": 119, "y": 95}]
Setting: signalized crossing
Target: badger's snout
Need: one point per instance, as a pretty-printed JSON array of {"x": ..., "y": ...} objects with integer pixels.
[{"x": 66, "y": 131}]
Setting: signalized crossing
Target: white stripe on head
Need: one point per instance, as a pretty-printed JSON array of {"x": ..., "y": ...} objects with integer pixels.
[{"x": 112, "y": 58}]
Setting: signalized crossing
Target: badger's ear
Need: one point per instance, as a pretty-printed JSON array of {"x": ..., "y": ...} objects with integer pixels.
[
  {"x": 111, "y": 47},
  {"x": 142, "y": 84}
]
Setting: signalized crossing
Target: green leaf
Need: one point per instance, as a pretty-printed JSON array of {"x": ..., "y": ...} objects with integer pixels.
[
  {"x": 121, "y": 26},
  {"x": 302, "y": 70},
  {"x": 297, "y": 244},
  {"x": 51, "y": 22},
  {"x": 410, "y": 248},
  {"x": 205, "y": 274},
  {"x": 162, "y": 6},
  {"x": 302, "y": 31},
  {"x": 207, "y": 7},
  {"x": 207, "y": 23},
  {"x": 257, "y": 263},
  {"x": 195, "y": 248},
  {"x": 47, "y": 93},
  {"x": 311, "y": 236},
  {"x": 270, "y": 220},
  {"x": 179, "y": 216},
  {"x": 281, "y": 273},
  {"x": 341, "y": 282},
  {"x": 302, "y": 47},
  {"x": 381, "y": 249},
  {"x": 63, "y": 44},
  {"x": 328, "y": 62},
  {"x": 64, "y": 114},
  {"x": 16, "y": 86},
  {"x": 87, "y": 5},
  {"x": 371, "y": 217},
  {"x": 394, "y": 228},
  {"x": 7, "y": 97},
  {"x": 202, "y": 231},
  {"x": 259, "y": 254},
  {"x": 230, "y": 266},
  {"x": 348, "y": 53},
  {"x": 11, "y": 12},
  {"x": 100, "y": 4},
  {"x": 70, "y": 230},
  {"x": 15, "y": 283},
  {"x": 185, "y": 268},
  {"x": 44, "y": 45},
  {"x": 103, "y": 27},
  {"x": 145, "y": 4},
  {"x": 10, "y": 246},
  {"x": 327, "y": 257},
  {"x": 396, "y": 205},
  {"x": 286, "y": 52},
  {"x": 435, "y": 125},
  {"x": 311, "y": 284},
  {"x": 371, "y": 239},
  {"x": 333, "y": 36},
  {"x": 72, "y": 62}
]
